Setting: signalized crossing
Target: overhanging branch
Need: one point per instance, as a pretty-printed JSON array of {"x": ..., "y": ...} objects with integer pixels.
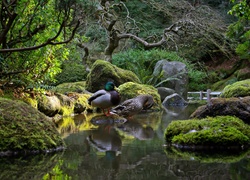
[{"x": 48, "y": 42}]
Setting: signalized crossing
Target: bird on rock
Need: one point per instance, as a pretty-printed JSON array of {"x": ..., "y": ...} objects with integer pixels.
[
  {"x": 105, "y": 98},
  {"x": 135, "y": 105}
]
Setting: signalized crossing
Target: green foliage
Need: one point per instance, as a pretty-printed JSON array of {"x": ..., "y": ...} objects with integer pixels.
[
  {"x": 36, "y": 23},
  {"x": 239, "y": 29},
  {"x": 71, "y": 72},
  {"x": 142, "y": 63},
  {"x": 197, "y": 79}
]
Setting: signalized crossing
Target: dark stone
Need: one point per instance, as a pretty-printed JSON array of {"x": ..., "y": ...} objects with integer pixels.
[
  {"x": 239, "y": 107},
  {"x": 175, "y": 75},
  {"x": 164, "y": 92},
  {"x": 174, "y": 100}
]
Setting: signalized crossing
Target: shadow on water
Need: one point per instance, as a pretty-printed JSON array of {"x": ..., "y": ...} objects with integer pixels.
[{"x": 100, "y": 147}]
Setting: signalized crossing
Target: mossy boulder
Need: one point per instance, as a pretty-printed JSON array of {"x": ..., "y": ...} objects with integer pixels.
[
  {"x": 49, "y": 105},
  {"x": 130, "y": 90},
  {"x": 237, "y": 89},
  {"x": 103, "y": 71},
  {"x": 238, "y": 107},
  {"x": 65, "y": 105},
  {"x": 23, "y": 129},
  {"x": 210, "y": 132}
]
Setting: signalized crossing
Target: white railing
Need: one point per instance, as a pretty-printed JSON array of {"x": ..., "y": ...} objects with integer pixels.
[{"x": 203, "y": 95}]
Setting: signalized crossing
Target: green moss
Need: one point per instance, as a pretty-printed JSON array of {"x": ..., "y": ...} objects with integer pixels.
[
  {"x": 238, "y": 89},
  {"x": 83, "y": 100},
  {"x": 130, "y": 90},
  {"x": 217, "y": 131},
  {"x": 23, "y": 128},
  {"x": 70, "y": 87},
  {"x": 31, "y": 101},
  {"x": 67, "y": 110},
  {"x": 103, "y": 71}
]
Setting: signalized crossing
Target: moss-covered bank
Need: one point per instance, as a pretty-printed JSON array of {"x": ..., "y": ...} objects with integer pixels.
[
  {"x": 210, "y": 132},
  {"x": 23, "y": 129}
]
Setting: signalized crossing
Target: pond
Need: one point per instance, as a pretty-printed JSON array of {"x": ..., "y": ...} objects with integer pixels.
[{"x": 132, "y": 149}]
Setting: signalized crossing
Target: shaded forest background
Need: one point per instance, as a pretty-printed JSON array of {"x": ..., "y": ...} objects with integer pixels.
[{"x": 48, "y": 42}]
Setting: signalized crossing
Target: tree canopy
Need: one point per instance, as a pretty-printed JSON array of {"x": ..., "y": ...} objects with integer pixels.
[
  {"x": 32, "y": 38},
  {"x": 35, "y": 34}
]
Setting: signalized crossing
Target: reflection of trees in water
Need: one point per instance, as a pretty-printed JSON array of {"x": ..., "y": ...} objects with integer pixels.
[
  {"x": 158, "y": 166},
  {"x": 28, "y": 167},
  {"x": 73, "y": 124},
  {"x": 103, "y": 153},
  {"x": 138, "y": 159}
]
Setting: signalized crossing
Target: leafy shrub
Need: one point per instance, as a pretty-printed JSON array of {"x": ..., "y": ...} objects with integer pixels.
[{"x": 72, "y": 72}]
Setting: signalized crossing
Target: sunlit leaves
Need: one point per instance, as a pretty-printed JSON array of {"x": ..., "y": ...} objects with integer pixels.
[{"x": 37, "y": 22}]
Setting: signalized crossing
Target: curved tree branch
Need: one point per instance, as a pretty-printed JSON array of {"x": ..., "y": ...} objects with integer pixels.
[{"x": 48, "y": 42}]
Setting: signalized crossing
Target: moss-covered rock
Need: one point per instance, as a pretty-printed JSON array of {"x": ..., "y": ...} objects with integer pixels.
[
  {"x": 210, "y": 132},
  {"x": 49, "y": 105},
  {"x": 103, "y": 71},
  {"x": 23, "y": 129},
  {"x": 237, "y": 89},
  {"x": 130, "y": 90},
  {"x": 64, "y": 105},
  {"x": 238, "y": 107}
]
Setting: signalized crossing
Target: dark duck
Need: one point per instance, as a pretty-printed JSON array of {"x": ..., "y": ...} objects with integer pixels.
[
  {"x": 134, "y": 106},
  {"x": 105, "y": 98}
]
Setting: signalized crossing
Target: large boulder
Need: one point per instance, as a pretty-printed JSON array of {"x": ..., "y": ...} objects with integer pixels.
[
  {"x": 130, "y": 90},
  {"x": 239, "y": 107},
  {"x": 23, "y": 129},
  {"x": 174, "y": 74},
  {"x": 49, "y": 105},
  {"x": 237, "y": 89},
  {"x": 210, "y": 132},
  {"x": 103, "y": 71}
]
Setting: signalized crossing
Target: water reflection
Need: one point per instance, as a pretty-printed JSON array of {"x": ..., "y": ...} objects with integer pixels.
[
  {"x": 100, "y": 147},
  {"x": 28, "y": 167}
]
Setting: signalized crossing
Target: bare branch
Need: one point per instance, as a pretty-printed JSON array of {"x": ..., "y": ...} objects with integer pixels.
[{"x": 142, "y": 41}]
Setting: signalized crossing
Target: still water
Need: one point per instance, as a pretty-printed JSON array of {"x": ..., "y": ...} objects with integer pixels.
[{"x": 101, "y": 149}]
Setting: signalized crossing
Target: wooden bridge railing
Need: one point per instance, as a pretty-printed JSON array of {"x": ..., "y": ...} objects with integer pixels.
[{"x": 203, "y": 95}]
